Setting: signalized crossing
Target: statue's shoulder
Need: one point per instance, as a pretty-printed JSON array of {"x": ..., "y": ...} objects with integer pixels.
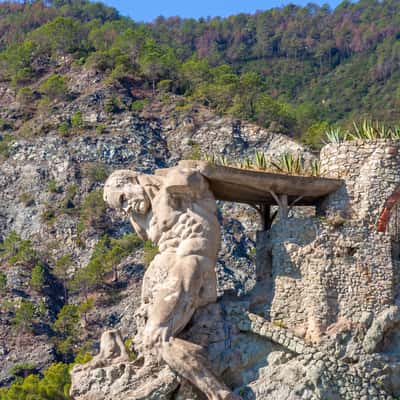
[{"x": 183, "y": 180}]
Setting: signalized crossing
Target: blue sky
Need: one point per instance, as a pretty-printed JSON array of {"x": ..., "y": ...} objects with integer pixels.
[{"x": 147, "y": 10}]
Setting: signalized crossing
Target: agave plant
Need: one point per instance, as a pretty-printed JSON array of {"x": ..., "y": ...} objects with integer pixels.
[
  {"x": 383, "y": 131},
  {"x": 260, "y": 160},
  {"x": 370, "y": 130},
  {"x": 363, "y": 130},
  {"x": 248, "y": 164},
  {"x": 289, "y": 164},
  {"x": 396, "y": 132},
  {"x": 315, "y": 168},
  {"x": 223, "y": 160},
  {"x": 336, "y": 135},
  {"x": 210, "y": 158}
]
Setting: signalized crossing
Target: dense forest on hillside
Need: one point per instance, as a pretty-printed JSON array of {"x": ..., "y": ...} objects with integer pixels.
[{"x": 300, "y": 68}]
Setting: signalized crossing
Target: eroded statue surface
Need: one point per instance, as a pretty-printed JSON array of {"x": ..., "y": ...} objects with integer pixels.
[{"x": 176, "y": 210}]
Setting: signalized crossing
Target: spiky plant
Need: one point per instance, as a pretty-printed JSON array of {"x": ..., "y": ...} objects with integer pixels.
[
  {"x": 363, "y": 130},
  {"x": 260, "y": 160},
  {"x": 396, "y": 133},
  {"x": 370, "y": 130},
  {"x": 383, "y": 131},
  {"x": 315, "y": 168},
  {"x": 210, "y": 158},
  {"x": 223, "y": 160},
  {"x": 289, "y": 164},
  {"x": 248, "y": 164},
  {"x": 336, "y": 135}
]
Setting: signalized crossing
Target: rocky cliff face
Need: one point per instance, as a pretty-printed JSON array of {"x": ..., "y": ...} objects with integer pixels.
[{"x": 47, "y": 175}]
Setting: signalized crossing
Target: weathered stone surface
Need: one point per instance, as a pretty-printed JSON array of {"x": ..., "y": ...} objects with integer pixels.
[
  {"x": 381, "y": 325},
  {"x": 124, "y": 381},
  {"x": 111, "y": 375}
]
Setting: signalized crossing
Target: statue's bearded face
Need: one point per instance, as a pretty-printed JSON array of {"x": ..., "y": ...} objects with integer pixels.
[
  {"x": 133, "y": 199},
  {"x": 122, "y": 192}
]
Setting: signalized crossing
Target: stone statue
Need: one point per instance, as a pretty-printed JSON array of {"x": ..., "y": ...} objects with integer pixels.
[{"x": 175, "y": 210}]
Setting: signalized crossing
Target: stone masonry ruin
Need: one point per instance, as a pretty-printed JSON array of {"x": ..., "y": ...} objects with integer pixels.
[{"x": 323, "y": 319}]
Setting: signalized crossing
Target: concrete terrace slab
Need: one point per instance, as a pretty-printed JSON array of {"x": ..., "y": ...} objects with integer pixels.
[{"x": 256, "y": 187}]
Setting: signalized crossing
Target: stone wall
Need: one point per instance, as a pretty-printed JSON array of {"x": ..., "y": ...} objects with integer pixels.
[
  {"x": 371, "y": 173},
  {"x": 324, "y": 275},
  {"x": 335, "y": 271}
]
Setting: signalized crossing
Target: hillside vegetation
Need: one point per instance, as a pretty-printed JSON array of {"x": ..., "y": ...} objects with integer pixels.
[{"x": 294, "y": 69}]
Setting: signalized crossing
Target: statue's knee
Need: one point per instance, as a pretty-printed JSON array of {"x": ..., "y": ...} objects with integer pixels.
[{"x": 155, "y": 336}]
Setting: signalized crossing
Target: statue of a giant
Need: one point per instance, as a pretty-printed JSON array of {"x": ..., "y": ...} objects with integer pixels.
[{"x": 177, "y": 211}]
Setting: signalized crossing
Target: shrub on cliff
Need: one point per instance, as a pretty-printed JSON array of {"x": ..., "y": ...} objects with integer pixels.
[
  {"x": 3, "y": 282},
  {"x": 5, "y": 142},
  {"x": 92, "y": 212},
  {"x": 67, "y": 327},
  {"x": 23, "y": 318},
  {"x": 16, "y": 250},
  {"x": 38, "y": 278},
  {"x": 55, "y": 87},
  {"x": 107, "y": 255},
  {"x": 54, "y": 385}
]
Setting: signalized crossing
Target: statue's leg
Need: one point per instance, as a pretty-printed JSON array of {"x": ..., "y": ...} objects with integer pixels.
[
  {"x": 188, "y": 361},
  {"x": 173, "y": 305},
  {"x": 176, "y": 297}
]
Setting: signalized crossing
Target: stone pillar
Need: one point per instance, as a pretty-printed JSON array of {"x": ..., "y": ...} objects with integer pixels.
[
  {"x": 261, "y": 295},
  {"x": 263, "y": 256}
]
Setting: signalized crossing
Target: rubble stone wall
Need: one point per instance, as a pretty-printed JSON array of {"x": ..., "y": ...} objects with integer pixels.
[
  {"x": 371, "y": 173},
  {"x": 325, "y": 275},
  {"x": 336, "y": 269}
]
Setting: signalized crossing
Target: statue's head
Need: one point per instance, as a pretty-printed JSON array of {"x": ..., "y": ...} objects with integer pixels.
[{"x": 123, "y": 191}]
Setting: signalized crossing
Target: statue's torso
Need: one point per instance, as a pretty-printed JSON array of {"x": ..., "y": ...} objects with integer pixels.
[{"x": 185, "y": 222}]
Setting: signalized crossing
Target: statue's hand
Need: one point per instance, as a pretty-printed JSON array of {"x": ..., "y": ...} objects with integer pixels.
[
  {"x": 139, "y": 206},
  {"x": 154, "y": 335},
  {"x": 136, "y": 206}
]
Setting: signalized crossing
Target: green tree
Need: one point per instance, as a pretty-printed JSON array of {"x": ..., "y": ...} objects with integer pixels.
[
  {"x": 55, "y": 87},
  {"x": 193, "y": 72},
  {"x": 85, "y": 308},
  {"x": 157, "y": 62},
  {"x": 16, "y": 250},
  {"x": 56, "y": 382},
  {"x": 38, "y": 278},
  {"x": 24, "y": 316},
  {"x": 54, "y": 385},
  {"x": 59, "y": 36},
  {"x": 93, "y": 211},
  {"x": 67, "y": 326},
  {"x": 3, "y": 282},
  {"x": 60, "y": 270},
  {"x": 314, "y": 134},
  {"x": 16, "y": 62}
]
